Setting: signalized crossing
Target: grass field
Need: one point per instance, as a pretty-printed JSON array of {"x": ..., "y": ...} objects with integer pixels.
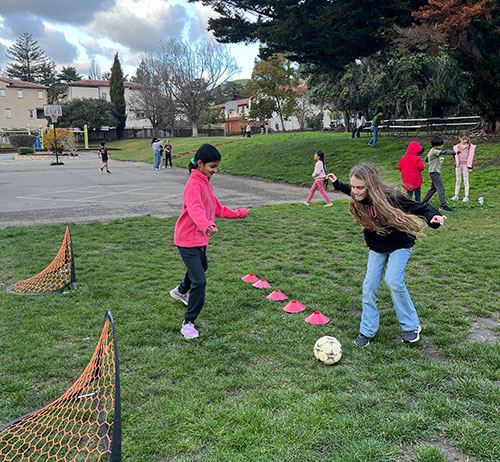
[{"x": 249, "y": 389}]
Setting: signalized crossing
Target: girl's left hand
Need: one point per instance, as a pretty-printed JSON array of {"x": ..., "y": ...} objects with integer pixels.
[
  {"x": 438, "y": 219},
  {"x": 211, "y": 230}
]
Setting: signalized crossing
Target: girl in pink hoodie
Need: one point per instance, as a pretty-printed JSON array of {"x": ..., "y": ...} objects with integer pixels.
[
  {"x": 193, "y": 230},
  {"x": 464, "y": 162},
  {"x": 319, "y": 176}
]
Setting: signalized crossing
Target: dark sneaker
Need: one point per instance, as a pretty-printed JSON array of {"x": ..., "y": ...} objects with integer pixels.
[
  {"x": 362, "y": 340},
  {"x": 411, "y": 336},
  {"x": 446, "y": 208}
]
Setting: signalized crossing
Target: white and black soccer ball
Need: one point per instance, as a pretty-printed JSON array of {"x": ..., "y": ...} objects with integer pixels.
[{"x": 328, "y": 350}]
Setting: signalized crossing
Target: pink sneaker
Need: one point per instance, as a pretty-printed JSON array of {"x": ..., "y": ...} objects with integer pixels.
[
  {"x": 184, "y": 298},
  {"x": 188, "y": 330}
]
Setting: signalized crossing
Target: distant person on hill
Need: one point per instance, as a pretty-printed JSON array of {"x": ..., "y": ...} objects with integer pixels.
[
  {"x": 435, "y": 171},
  {"x": 167, "y": 149},
  {"x": 193, "y": 230},
  {"x": 103, "y": 155},
  {"x": 464, "y": 162},
  {"x": 359, "y": 123},
  {"x": 319, "y": 176},
  {"x": 157, "y": 145},
  {"x": 248, "y": 130},
  {"x": 411, "y": 167},
  {"x": 391, "y": 222},
  {"x": 377, "y": 120}
]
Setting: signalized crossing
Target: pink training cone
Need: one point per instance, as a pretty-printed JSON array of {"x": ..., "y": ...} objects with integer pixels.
[
  {"x": 294, "y": 307},
  {"x": 277, "y": 295},
  {"x": 250, "y": 277},
  {"x": 317, "y": 318},
  {"x": 262, "y": 284}
]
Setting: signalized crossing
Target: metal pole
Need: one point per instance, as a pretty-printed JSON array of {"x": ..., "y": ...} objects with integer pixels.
[{"x": 55, "y": 144}]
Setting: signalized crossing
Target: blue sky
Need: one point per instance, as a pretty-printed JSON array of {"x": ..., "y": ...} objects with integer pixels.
[{"x": 73, "y": 32}]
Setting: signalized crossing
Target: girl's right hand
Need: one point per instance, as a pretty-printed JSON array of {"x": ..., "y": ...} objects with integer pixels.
[
  {"x": 211, "y": 230},
  {"x": 331, "y": 177}
]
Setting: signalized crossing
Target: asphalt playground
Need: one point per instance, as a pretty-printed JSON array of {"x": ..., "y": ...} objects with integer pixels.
[{"x": 36, "y": 192}]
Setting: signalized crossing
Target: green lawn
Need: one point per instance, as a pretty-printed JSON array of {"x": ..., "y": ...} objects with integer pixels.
[{"x": 250, "y": 389}]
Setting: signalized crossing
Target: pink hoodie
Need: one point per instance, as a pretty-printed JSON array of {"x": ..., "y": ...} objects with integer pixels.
[
  {"x": 470, "y": 157},
  {"x": 199, "y": 209}
]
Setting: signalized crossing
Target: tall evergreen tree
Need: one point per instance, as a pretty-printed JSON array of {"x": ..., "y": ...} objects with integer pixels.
[
  {"x": 69, "y": 74},
  {"x": 117, "y": 94},
  {"x": 28, "y": 59}
]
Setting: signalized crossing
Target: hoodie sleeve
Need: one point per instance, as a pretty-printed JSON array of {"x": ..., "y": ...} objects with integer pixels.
[
  {"x": 420, "y": 209},
  {"x": 226, "y": 212},
  {"x": 420, "y": 164},
  {"x": 342, "y": 187},
  {"x": 196, "y": 208}
]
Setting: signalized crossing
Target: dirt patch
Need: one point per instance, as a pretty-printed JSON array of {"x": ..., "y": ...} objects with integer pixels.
[
  {"x": 430, "y": 352},
  {"x": 444, "y": 445},
  {"x": 482, "y": 330}
]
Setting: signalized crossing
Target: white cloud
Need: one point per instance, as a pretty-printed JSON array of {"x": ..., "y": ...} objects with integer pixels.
[{"x": 141, "y": 24}]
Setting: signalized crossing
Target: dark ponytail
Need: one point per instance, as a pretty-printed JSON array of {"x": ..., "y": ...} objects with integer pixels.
[{"x": 206, "y": 153}]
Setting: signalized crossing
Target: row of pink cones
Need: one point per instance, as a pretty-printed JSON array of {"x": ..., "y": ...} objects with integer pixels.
[{"x": 293, "y": 307}]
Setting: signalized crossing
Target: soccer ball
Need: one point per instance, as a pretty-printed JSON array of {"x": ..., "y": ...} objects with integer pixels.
[{"x": 328, "y": 350}]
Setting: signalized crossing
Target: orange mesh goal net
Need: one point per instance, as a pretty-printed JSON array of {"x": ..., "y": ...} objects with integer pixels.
[
  {"x": 59, "y": 275},
  {"x": 83, "y": 425}
]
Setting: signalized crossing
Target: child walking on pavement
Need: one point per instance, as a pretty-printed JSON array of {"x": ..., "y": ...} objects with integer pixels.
[
  {"x": 391, "y": 223},
  {"x": 193, "y": 230},
  {"x": 103, "y": 155},
  {"x": 435, "y": 171},
  {"x": 411, "y": 167},
  {"x": 319, "y": 176},
  {"x": 464, "y": 162}
]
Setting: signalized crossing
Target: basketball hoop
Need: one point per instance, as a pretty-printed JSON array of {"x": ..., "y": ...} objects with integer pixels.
[{"x": 53, "y": 111}]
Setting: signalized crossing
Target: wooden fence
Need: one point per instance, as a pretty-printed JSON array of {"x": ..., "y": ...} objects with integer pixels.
[{"x": 434, "y": 125}]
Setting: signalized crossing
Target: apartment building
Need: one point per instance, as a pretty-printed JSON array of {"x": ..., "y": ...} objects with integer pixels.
[
  {"x": 21, "y": 104},
  {"x": 99, "y": 89}
]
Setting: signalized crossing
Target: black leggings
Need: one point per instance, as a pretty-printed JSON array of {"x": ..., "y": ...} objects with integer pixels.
[{"x": 195, "y": 281}]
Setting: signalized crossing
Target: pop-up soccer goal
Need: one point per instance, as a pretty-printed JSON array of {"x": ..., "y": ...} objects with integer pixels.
[
  {"x": 58, "y": 276},
  {"x": 83, "y": 425}
]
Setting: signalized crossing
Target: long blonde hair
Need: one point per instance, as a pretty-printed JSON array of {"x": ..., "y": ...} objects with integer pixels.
[{"x": 383, "y": 212}]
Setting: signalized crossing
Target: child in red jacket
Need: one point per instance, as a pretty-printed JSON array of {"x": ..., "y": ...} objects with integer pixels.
[
  {"x": 193, "y": 230},
  {"x": 411, "y": 167}
]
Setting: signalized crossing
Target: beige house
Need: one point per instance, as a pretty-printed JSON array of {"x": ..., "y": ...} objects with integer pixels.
[
  {"x": 99, "y": 89},
  {"x": 21, "y": 104}
]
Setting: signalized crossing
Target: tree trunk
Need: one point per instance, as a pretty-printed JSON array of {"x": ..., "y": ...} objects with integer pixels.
[
  {"x": 347, "y": 121},
  {"x": 194, "y": 125}
]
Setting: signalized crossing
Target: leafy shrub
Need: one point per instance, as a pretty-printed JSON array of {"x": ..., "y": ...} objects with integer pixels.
[
  {"x": 25, "y": 150},
  {"x": 315, "y": 122},
  {"x": 64, "y": 137},
  {"x": 22, "y": 140}
]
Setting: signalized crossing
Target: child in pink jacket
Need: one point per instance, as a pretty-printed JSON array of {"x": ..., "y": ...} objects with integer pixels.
[
  {"x": 193, "y": 230},
  {"x": 464, "y": 162},
  {"x": 319, "y": 176}
]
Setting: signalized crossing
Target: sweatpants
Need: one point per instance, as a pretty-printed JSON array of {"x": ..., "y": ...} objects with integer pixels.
[
  {"x": 318, "y": 184},
  {"x": 437, "y": 185},
  {"x": 195, "y": 281}
]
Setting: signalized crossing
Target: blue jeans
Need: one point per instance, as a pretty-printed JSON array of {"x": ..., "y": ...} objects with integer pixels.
[
  {"x": 157, "y": 163},
  {"x": 374, "y": 138},
  {"x": 417, "y": 191},
  {"x": 394, "y": 278}
]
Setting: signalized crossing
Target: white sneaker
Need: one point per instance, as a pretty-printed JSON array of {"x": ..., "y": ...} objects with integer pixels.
[
  {"x": 465, "y": 199},
  {"x": 188, "y": 330},
  {"x": 184, "y": 298},
  {"x": 306, "y": 203},
  {"x": 454, "y": 198},
  {"x": 329, "y": 204}
]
